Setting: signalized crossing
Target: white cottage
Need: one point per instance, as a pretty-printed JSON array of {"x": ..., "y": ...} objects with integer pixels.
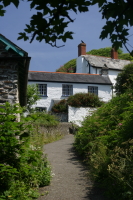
[
  {"x": 54, "y": 86},
  {"x": 92, "y": 64},
  {"x": 95, "y": 74}
]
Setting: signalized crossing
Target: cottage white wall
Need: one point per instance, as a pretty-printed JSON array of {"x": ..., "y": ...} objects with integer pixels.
[
  {"x": 54, "y": 92},
  {"x": 113, "y": 75},
  {"x": 77, "y": 115},
  {"x": 80, "y": 65}
]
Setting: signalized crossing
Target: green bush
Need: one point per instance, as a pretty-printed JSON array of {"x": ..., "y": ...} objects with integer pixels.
[
  {"x": 105, "y": 143},
  {"x": 77, "y": 100},
  {"x": 23, "y": 167},
  {"x": 84, "y": 100},
  {"x": 43, "y": 119},
  {"x": 61, "y": 106},
  {"x": 69, "y": 67},
  {"x": 124, "y": 80}
]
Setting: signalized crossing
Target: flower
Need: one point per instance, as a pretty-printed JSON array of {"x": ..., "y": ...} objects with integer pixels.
[{"x": 119, "y": 124}]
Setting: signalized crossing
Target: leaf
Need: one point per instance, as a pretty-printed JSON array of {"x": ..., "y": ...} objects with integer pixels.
[
  {"x": 23, "y": 36},
  {"x": 82, "y": 8},
  {"x": 8, "y": 2},
  {"x": 16, "y": 3}
]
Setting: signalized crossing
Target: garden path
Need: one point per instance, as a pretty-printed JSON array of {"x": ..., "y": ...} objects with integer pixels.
[{"x": 70, "y": 180}]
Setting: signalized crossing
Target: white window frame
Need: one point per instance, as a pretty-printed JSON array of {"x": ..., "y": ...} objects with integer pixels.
[
  {"x": 67, "y": 90},
  {"x": 42, "y": 90},
  {"x": 93, "y": 89}
]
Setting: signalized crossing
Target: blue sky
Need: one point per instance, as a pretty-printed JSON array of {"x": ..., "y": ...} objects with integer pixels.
[{"x": 87, "y": 27}]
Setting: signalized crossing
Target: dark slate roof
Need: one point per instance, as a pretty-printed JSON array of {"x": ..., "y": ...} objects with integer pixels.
[
  {"x": 68, "y": 78},
  {"x": 99, "y": 61}
]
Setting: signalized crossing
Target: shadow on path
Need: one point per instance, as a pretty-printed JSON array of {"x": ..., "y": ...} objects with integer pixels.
[{"x": 70, "y": 180}]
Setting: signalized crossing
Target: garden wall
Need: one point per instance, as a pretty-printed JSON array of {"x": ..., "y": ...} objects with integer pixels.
[
  {"x": 63, "y": 128},
  {"x": 77, "y": 115}
]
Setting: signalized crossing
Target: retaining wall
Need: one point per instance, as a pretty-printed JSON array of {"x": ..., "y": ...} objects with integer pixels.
[{"x": 77, "y": 115}]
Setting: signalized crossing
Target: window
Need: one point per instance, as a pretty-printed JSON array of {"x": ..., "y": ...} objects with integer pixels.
[
  {"x": 67, "y": 90},
  {"x": 42, "y": 89},
  {"x": 93, "y": 89}
]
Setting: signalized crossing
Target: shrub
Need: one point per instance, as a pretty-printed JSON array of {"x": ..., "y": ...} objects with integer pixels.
[
  {"x": 69, "y": 67},
  {"x": 105, "y": 142},
  {"x": 124, "y": 80},
  {"x": 61, "y": 106},
  {"x": 121, "y": 169},
  {"x": 32, "y": 96},
  {"x": 23, "y": 167},
  {"x": 84, "y": 100},
  {"x": 43, "y": 119},
  {"x": 77, "y": 100}
]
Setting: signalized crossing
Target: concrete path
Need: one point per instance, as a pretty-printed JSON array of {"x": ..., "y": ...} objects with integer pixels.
[{"x": 70, "y": 181}]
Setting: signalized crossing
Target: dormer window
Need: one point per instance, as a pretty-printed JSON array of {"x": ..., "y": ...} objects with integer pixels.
[{"x": 104, "y": 70}]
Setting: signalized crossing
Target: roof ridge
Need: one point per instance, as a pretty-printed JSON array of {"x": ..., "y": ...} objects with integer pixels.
[
  {"x": 106, "y": 57},
  {"x": 100, "y": 56},
  {"x": 63, "y": 73}
]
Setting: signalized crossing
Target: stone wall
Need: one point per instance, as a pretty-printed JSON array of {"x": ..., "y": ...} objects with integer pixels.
[
  {"x": 62, "y": 117},
  {"x": 63, "y": 128},
  {"x": 8, "y": 84}
]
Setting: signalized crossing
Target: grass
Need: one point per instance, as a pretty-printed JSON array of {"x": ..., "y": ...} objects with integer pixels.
[{"x": 42, "y": 136}]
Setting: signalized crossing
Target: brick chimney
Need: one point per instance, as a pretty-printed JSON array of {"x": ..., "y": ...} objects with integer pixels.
[
  {"x": 81, "y": 49},
  {"x": 114, "y": 54}
]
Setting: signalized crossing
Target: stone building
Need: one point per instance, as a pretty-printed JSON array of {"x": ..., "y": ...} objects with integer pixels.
[{"x": 14, "y": 66}]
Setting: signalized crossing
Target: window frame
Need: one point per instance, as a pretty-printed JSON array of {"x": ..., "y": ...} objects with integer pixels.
[
  {"x": 44, "y": 90},
  {"x": 66, "y": 93},
  {"x": 93, "y": 90}
]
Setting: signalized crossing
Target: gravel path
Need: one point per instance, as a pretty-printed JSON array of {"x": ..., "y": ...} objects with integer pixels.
[{"x": 70, "y": 181}]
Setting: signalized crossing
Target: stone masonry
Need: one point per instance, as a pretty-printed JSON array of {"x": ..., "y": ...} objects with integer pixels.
[{"x": 8, "y": 83}]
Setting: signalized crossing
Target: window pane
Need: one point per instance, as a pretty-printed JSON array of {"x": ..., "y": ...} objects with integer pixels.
[
  {"x": 42, "y": 89},
  {"x": 67, "y": 90},
  {"x": 93, "y": 90}
]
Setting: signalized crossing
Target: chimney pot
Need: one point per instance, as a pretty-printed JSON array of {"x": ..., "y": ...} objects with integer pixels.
[
  {"x": 81, "y": 49},
  {"x": 114, "y": 54}
]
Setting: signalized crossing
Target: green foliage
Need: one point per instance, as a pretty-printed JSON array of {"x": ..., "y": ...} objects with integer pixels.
[
  {"x": 23, "y": 167},
  {"x": 125, "y": 56},
  {"x": 103, "y": 52},
  {"x": 121, "y": 168},
  {"x": 124, "y": 80},
  {"x": 84, "y": 100},
  {"x": 43, "y": 119},
  {"x": 61, "y": 106},
  {"x": 69, "y": 67},
  {"x": 52, "y": 28},
  {"x": 52, "y": 18},
  {"x": 105, "y": 141},
  {"x": 32, "y": 96},
  {"x": 77, "y": 100}
]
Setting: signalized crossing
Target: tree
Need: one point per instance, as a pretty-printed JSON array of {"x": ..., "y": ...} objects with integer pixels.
[
  {"x": 124, "y": 80},
  {"x": 70, "y": 66},
  {"x": 103, "y": 52},
  {"x": 32, "y": 96},
  {"x": 52, "y": 17}
]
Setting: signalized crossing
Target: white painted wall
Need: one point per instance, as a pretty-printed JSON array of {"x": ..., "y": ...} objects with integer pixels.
[
  {"x": 80, "y": 64},
  {"x": 77, "y": 115},
  {"x": 112, "y": 75},
  {"x": 54, "y": 91}
]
